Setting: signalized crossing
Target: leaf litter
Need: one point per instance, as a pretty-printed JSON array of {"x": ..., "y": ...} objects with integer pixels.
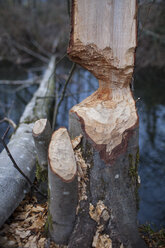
[{"x": 26, "y": 226}]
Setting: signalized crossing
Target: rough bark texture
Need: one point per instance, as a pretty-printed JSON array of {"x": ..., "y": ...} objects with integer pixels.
[
  {"x": 116, "y": 185},
  {"x": 13, "y": 185},
  {"x": 103, "y": 40},
  {"x": 62, "y": 177},
  {"x": 42, "y": 134}
]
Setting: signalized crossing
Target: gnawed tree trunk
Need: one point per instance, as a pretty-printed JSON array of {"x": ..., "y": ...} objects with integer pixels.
[
  {"x": 13, "y": 185},
  {"x": 62, "y": 179},
  {"x": 103, "y": 40}
]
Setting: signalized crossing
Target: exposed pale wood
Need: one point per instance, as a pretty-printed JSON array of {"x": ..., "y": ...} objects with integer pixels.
[
  {"x": 62, "y": 176},
  {"x": 61, "y": 155},
  {"x": 42, "y": 134},
  {"x": 107, "y": 121},
  {"x": 103, "y": 40},
  {"x": 13, "y": 185},
  {"x": 76, "y": 141}
]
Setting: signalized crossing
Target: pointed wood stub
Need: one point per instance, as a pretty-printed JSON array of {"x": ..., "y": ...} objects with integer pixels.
[{"x": 61, "y": 156}]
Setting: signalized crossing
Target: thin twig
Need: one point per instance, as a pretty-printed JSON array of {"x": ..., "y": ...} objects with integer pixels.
[
  {"x": 21, "y": 87},
  {"x": 11, "y": 122},
  {"x": 57, "y": 105},
  {"x": 30, "y": 52},
  {"x": 61, "y": 58},
  {"x": 18, "y": 82},
  {"x": 66, "y": 83},
  {"x": 15, "y": 164},
  {"x": 53, "y": 73},
  {"x": 6, "y": 132},
  {"x": 72, "y": 95},
  {"x": 42, "y": 50},
  {"x": 154, "y": 35}
]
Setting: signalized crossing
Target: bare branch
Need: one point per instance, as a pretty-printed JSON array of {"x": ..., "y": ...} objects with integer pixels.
[
  {"x": 11, "y": 122},
  {"x": 6, "y": 132},
  {"x": 18, "y": 82},
  {"x": 153, "y": 35},
  {"x": 57, "y": 105},
  {"x": 30, "y": 52},
  {"x": 41, "y": 49}
]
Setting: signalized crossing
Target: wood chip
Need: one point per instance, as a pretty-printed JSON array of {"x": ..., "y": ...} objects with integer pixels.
[
  {"x": 76, "y": 141},
  {"x": 99, "y": 211}
]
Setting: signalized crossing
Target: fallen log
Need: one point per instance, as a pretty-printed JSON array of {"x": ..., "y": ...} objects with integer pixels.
[
  {"x": 103, "y": 40},
  {"x": 13, "y": 186},
  {"x": 62, "y": 180}
]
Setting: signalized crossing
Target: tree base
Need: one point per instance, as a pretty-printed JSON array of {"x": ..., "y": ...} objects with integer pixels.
[{"x": 110, "y": 208}]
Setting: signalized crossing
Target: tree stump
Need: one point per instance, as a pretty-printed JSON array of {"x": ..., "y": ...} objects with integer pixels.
[
  {"x": 62, "y": 179},
  {"x": 42, "y": 134},
  {"x": 103, "y": 40}
]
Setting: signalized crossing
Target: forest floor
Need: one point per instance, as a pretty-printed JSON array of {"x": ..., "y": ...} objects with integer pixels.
[{"x": 27, "y": 228}]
